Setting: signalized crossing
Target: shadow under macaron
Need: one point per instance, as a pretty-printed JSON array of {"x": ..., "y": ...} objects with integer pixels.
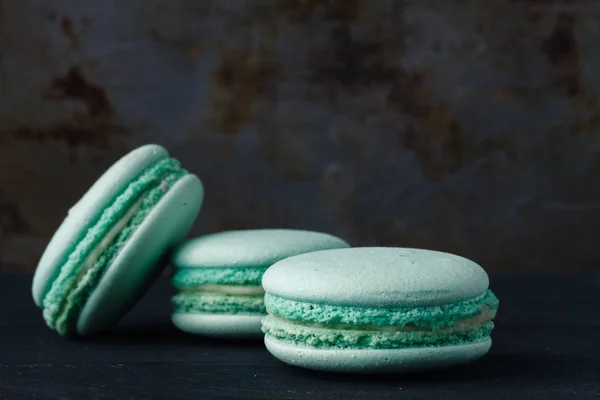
[
  {"x": 164, "y": 333},
  {"x": 493, "y": 369}
]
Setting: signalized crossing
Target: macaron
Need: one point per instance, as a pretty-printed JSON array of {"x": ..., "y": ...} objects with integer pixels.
[
  {"x": 218, "y": 277},
  {"x": 377, "y": 309},
  {"x": 112, "y": 243}
]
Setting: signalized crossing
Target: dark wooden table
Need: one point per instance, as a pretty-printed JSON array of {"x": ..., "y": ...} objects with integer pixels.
[{"x": 546, "y": 346}]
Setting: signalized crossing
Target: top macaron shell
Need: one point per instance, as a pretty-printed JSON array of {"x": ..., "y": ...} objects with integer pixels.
[
  {"x": 138, "y": 262},
  {"x": 376, "y": 277},
  {"x": 87, "y": 210},
  {"x": 250, "y": 248}
]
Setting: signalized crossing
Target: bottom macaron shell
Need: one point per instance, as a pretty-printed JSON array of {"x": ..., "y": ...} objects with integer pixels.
[
  {"x": 377, "y": 361},
  {"x": 139, "y": 262},
  {"x": 219, "y": 325}
]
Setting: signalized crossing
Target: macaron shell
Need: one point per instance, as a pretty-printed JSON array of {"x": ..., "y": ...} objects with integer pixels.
[
  {"x": 376, "y": 277},
  {"x": 377, "y": 361},
  {"x": 139, "y": 262},
  {"x": 219, "y": 325},
  {"x": 87, "y": 210},
  {"x": 249, "y": 248}
]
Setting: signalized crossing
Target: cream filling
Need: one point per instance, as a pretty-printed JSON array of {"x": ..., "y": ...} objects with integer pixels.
[
  {"x": 485, "y": 316},
  {"x": 108, "y": 238},
  {"x": 225, "y": 289}
]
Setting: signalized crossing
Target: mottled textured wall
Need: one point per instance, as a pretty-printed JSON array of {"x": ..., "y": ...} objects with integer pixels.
[{"x": 466, "y": 126}]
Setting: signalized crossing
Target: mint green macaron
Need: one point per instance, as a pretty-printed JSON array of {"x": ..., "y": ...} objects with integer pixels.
[
  {"x": 112, "y": 243},
  {"x": 218, "y": 277},
  {"x": 377, "y": 309}
]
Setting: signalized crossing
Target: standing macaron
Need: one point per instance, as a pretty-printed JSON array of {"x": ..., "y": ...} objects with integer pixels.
[
  {"x": 377, "y": 310},
  {"x": 218, "y": 277},
  {"x": 112, "y": 243}
]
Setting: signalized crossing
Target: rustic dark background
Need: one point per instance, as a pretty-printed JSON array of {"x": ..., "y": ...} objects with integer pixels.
[{"x": 462, "y": 125}]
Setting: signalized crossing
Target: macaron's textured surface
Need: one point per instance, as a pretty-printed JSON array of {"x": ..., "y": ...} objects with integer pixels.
[
  {"x": 218, "y": 277},
  {"x": 410, "y": 359},
  {"x": 377, "y": 309},
  {"x": 112, "y": 242}
]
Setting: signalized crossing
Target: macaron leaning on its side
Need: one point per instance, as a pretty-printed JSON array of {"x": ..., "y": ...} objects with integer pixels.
[
  {"x": 218, "y": 277},
  {"x": 377, "y": 310},
  {"x": 113, "y": 242}
]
